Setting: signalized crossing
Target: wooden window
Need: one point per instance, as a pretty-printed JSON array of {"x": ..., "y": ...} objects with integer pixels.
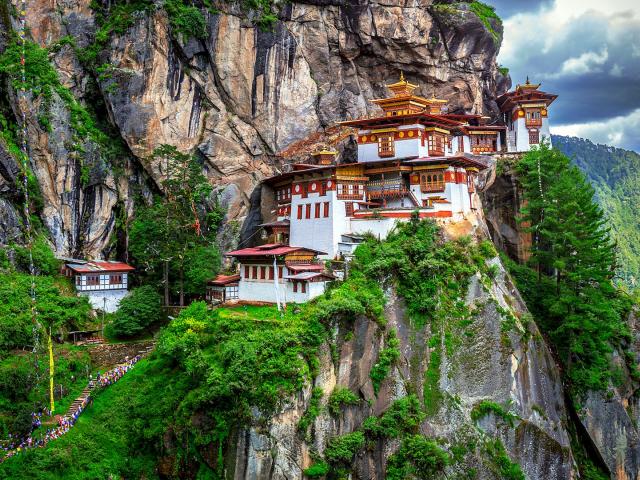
[
  {"x": 295, "y": 287},
  {"x": 246, "y": 271},
  {"x": 115, "y": 279},
  {"x": 280, "y": 272},
  {"x": 323, "y": 188},
  {"x": 263, "y": 273},
  {"x": 534, "y": 137},
  {"x": 255, "y": 273},
  {"x": 78, "y": 279},
  {"x": 299, "y": 212},
  {"x": 93, "y": 280},
  {"x": 308, "y": 211},
  {"x": 304, "y": 187},
  {"x": 386, "y": 147},
  {"x": 303, "y": 285},
  {"x": 317, "y": 210},
  {"x": 348, "y": 208},
  {"x": 271, "y": 273},
  {"x": 432, "y": 181},
  {"x": 326, "y": 209},
  {"x": 436, "y": 144}
]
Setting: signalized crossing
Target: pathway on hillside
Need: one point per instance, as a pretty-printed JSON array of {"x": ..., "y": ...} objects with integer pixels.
[{"x": 77, "y": 407}]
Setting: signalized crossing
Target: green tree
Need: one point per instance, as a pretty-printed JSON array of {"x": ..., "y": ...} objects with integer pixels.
[
  {"x": 574, "y": 257},
  {"x": 137, "y": 311},
  {"x": 176, "y": 229}
]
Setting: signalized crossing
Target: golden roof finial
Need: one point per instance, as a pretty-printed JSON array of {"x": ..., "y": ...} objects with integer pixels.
[
  {"x": 402, "y": 76},
  {"x": 527, "y": 82}
]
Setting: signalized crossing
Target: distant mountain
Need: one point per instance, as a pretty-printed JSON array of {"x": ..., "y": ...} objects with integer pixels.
[{"x": 615, "y": 175}]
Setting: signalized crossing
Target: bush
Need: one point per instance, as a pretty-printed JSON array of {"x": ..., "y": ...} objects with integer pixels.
[
  {"x": 44, "y": 261},
  {"x": 404, "y": 416},
  {"x": 339, "y": 397},
  {"x": 486, "y": 407},
  {"x": 386, "y": 358},
  {"x": 313, "y": 411},
  {"x": 137, "y": 311},
  {"x": 418, "y": 457},
  {"x": 342, "y": 449},
  {"x": 319, "y": 469}
]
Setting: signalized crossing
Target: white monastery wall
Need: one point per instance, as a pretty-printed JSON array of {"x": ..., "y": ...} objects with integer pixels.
[{"x": 107, "y": 300}]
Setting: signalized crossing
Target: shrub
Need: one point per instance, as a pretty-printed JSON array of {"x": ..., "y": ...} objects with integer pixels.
[
  {"x": 137, "y": 311},
  {"x": 418, "y": 457},
  {"x": 339, "y": 397},
  {"x": 486, "y": 407},
  {"x": 386, "y": 358},
  {"x": 44, "y": 261},
  {"x": 319, "y": 469},
  {"x": 404, "y": 416},
  {"x": 313, "y": 411},
  {"x": 343, "y": 448},
  {"x": 186, "y": 20}
]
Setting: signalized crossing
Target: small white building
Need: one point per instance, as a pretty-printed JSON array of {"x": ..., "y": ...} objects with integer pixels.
[
  {"x": 223, "y": 288},
  {"x": 105, "y": 283},
  {"x": 526, "y": 115},
  {"x": 276, "y": 273}
]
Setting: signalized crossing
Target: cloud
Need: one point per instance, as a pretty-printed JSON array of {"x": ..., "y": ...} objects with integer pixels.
[
  {"x": 586, "y": 52},
  {"x": 618, "y": 131},
  {"x": 507, "y": 8},
  {"x": 586, "y": 63}
]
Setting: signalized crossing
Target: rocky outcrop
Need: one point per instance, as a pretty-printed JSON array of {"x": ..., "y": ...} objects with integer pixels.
[
  {"x": 240, "y": 95},
  {"x": 502, "y": 201},
  {"x": 514, "y": 369}
]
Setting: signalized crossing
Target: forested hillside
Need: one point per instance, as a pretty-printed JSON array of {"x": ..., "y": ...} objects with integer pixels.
[{"x": 615, "y": 176}]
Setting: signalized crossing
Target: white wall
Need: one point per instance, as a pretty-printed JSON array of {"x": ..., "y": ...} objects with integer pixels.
[
  {"x": 260, "y": 291},
  {"x": 314, "y": 289},
  {"x": 380, "y": 227},
  {"x": 97, "y": 299}
]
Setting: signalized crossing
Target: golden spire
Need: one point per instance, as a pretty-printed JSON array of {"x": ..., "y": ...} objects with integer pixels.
[
  {"x": 401, "y": 76},
  {"x": 402, "y": 87}
]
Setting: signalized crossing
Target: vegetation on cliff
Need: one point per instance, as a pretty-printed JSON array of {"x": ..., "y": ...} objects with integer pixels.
[
  {"x": 217, "y": 370},
  {"x": 614, "y": 174},
  {"x": 569, "y": 286}
]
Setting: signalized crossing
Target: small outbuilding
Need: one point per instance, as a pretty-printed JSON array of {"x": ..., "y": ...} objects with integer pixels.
[
  {"x": 104, "y": 283},
  {"x": 223, "y": 288}
]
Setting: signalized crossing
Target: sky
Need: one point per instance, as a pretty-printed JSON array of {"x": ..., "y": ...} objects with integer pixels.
[{"x": 585, "y": 51}]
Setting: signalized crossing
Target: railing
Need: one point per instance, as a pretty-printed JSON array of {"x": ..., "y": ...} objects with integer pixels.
[
  {"x": 435, "y": 152},
  {"x": 482, "y": 149},
  {"x": 385, "y": 188},
  {"x": 432, "y": 187},
  {"x": 533, "y": 122},
  {"x": 350, "y": 196}
]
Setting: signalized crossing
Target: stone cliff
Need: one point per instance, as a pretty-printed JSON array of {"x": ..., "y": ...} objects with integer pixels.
[{"x": 235, "y": 96}]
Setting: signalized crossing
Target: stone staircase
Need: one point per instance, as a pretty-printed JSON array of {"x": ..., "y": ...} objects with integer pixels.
[{"x": 143, "y": 351}]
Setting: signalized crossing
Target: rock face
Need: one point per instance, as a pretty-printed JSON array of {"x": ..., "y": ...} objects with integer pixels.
[
  {"x": 514, "y": 369},
  {"x": 238, "y": 96}
]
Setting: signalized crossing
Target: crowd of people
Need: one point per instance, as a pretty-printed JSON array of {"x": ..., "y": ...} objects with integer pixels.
[{"x": 14, "y": 446}]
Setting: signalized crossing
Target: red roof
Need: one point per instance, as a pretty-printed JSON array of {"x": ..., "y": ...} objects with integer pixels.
[
  {"x": 270, "y": 250},
  {"x": 100, "y": 266},
  {"x": 225, "y": 279}
]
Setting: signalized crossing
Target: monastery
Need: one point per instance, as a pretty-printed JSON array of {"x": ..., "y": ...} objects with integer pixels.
[{"x": 414, "y": 158}]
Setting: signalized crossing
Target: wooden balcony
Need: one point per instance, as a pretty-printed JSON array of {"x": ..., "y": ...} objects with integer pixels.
[
  {"x": 533, "y": 122},
  {"x": 432, "y": 187},
  {"x": 482, "y": 149},
  {"x": 436, "y": 152},
  {"x": 350, "y": 196},
  {"x": 385, "y": 189}
]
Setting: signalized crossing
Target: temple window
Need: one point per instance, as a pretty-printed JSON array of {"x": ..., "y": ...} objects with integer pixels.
[
  {"x": 386, "y": 147},
  {"x": 533, "y": 118},
  {"x": 484, "y": 143},
  {"x": 348, "y": 208},
  {"x": 436, "y": 144},
  {"x": 432, "y": 182},
  {"x": 534, "y": 137}
]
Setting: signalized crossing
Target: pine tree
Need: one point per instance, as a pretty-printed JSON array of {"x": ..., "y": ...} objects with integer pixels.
[{"x": 576, "y": 301}]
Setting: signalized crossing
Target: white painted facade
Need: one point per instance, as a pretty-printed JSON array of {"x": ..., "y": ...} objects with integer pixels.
[
  {"x": 107, "y": 300},
  {"x": 104, "y": 290},
  {"x": 520, "y": 134},
  {"x": 280, "y": 290}
]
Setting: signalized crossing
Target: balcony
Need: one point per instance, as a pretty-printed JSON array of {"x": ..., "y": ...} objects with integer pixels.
[
  {"x": 432, "y": 187},
  {"x": 479, "y": 150},
  {"x": 386, "y": 189},
  {"x": 533, "y": 122}
]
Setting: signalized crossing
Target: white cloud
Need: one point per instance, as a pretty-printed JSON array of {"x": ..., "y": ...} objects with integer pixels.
[
  {"x": 588, "y": 62},
  {"x": 616, "y": 70},
  {"x": 618, "y": 131}
]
